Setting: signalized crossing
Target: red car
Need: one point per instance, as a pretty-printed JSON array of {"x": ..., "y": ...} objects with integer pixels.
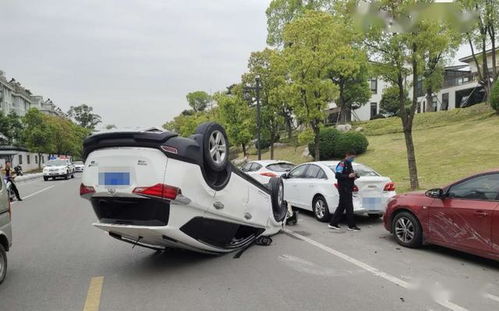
[{"x": 462, "y": 216}]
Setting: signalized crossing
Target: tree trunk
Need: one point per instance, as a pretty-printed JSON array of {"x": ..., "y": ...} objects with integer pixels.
[
  {"x": 316, "y": 142},
  {"x": 289, "y": 127},
  {"x": 39, "y": 161},
  {"x": 245, "y": 154},
  {"x": 411, "y": 158},
  {"x": 272, "y": 138}
]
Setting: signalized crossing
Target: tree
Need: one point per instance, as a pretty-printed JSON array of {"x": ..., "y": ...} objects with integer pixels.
[
  {"x": 480, "y": 36},
  {"x": 399, "y": 48},
  {"x": 83, "y": 115},
  {"x": 282, "y": 12},
  {"x": 198, "y": 100},
  {"x": 36, "y": 133},
  {"x": 275, "y": 109},
  {"x": 236, "y": 117},
  {"x": 389, "y": 104}
]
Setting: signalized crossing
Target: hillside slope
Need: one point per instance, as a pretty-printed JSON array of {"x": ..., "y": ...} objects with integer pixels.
[{"x": 449, "y": 145}]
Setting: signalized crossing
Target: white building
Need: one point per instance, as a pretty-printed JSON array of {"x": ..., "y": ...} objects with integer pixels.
[
  {"x": 15, "y": 97},
  {"x": 460, "y": 89}
]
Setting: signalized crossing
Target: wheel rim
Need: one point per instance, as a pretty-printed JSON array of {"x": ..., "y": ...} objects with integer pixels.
[
  {"x": 218, "y": 147},
  {"x": 280, "y": 194},
  {"x": 405, "y": 230},
  {"x": 320, "y": 209}
]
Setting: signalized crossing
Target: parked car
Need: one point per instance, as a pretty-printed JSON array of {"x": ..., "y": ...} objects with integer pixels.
[
  {"x": 463, "y": 216},
  {"x": 313, "y": 186},
  {"x": 5, "y": 229},
  {"x": 79, "y": 166},
  {"x": 158, "y": 190},
  {"x": 264, "y": 170},
  {"x": 58, "y": 168}
]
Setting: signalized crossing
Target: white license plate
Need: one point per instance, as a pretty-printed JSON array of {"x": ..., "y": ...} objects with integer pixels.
[{"x": 371, "y": 203}]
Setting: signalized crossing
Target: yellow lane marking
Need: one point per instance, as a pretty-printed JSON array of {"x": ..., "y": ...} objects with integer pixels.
[{"x": 94, "y": 292}]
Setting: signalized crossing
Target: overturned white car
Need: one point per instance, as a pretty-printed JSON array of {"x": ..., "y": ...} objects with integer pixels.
[{"x": 159, "y": 190}]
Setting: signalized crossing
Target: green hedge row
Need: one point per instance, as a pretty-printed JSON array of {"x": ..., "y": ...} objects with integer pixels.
[{"x": 333, "y": 144}]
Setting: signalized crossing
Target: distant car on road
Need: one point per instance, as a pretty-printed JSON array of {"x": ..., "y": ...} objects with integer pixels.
[
  {"x": 5, "y": 229},
  {"x": 58, "y": 168},
  {"x": 157, "y": 190},
  {"x": 313, "y": 186},
  {"x": 79, "y": 166},
  {"x": 264, "y": 170},
  {"x": 462, "y": 216}
]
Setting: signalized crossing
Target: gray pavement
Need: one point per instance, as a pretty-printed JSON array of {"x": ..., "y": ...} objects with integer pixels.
[{"x": 56, "y": 253}]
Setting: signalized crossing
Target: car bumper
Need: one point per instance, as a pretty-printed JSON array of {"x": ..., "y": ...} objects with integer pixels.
[{"x": 54, "y": 174}]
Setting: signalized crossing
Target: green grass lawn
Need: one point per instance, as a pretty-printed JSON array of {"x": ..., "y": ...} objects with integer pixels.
[{"x": 449, "y": 145}]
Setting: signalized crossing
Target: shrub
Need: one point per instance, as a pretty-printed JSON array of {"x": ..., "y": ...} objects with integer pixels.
[
  {"x": 350, "y": 141},
  {"x": 378, "y": 116},
  {"x": 328, "y": 138},
  {"x": 264, "y": 143},
  {"x": 494, "y": 97}
]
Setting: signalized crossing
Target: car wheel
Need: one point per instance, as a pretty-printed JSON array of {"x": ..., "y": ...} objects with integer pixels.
[
  {"x": 215, "y": 146},
  {"x": 407, "y": 230},
  {"x": 66, "y": 176},
  {"x": 53, "y": 178},
  {"x": 3, "y": 263},
  {"x": 73, "y": 175},
  {"x": 45, "y": 178},
  {"x": 279, "y": 206},
  {"x": 320, "y": 209}
]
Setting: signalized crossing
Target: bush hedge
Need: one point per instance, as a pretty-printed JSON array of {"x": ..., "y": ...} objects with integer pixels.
[
  {"x": 333, "y": 144},
  {"x": 494, "y": 97}
]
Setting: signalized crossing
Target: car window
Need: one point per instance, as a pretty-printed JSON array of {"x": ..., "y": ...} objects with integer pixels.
[
  {"x": 280, "y": 167},
  {"x": 246, "y": 167},
  {"x": 299, "y": 172},
  {"x": 321, "y": 174},
  {"x": 363, "y": 170},
  {"x": 312, "y": 171},
  {"x": 484, "y": 187},
  {"x": 56, "y": 163},
  {"x": 255, "y": 167}
]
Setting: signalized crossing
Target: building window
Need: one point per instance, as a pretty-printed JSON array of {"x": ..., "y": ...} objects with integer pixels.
[
  {"x": 20, "y": 159},
  {"x": 445, "y": 101},
  {"x": 434, "y": 102},
  {"x": 373, "y": 84},
  {"x": 419, "y": 107},
  {"x": 42, "y": 157},
  {"x": 27, "y": 159},
  {"x": 374, "y": 109},
  {"x": 36, "y": 159}
]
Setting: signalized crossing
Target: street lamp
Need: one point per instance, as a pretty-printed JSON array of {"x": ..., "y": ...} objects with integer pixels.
[{"x": 257, "y": 89}]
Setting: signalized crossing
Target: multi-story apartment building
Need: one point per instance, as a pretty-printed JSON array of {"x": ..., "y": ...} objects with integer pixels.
[
  {"x": 15, "y": 97},
  {"x": 460, "y": 89}
]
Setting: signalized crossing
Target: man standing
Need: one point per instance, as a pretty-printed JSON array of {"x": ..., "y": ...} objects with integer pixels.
[
  {"x": 345, "y": 177},
  {"x": 9, "y": 176}
]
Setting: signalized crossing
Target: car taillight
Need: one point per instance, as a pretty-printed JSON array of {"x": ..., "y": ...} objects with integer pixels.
[
  {"x": 86, "y": 189},
  {"x": 268, "y": 174},
  {"x": 336, "y": 186},
  {"x": 389, "y": 187},
  {"x": 160, "y": 191}
]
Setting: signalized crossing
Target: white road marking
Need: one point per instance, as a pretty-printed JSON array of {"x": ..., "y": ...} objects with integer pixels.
[
  {"x": 37, "y": 192},
  {"x": 491, "y": 297},
  {"x": 445, "y": 303}
]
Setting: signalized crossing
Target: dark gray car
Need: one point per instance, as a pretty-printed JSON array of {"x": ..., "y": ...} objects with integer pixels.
[{"x": 5, "y": 229}]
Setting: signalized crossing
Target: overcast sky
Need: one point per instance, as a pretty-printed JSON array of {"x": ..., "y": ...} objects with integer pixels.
[{"x": 132, "y": 60}]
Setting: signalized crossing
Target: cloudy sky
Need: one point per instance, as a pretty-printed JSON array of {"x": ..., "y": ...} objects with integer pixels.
[{"x": 132, "y": 60}]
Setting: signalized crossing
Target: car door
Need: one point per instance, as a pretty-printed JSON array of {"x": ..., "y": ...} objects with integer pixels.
[
  {"x": 311, "y": 185},
  {"x": 463, "y": 218},
  {"x": 293, "y": 185}
]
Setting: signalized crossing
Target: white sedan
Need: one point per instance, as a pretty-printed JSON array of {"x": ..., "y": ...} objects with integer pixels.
[
  {"x": 159, "y": 190},
  {"x": 264, "y": 170},
  {"x": 313, "y": 186}
]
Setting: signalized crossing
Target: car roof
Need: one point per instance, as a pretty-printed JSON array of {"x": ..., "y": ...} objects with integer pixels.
[{"x": 267, "y": 162}]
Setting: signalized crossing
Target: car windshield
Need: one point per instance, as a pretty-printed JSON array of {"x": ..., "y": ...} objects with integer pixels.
[
  {"x": 78, "y": 162},
  {"x": 362, "y": 170},
  {"x": 280, "y": 167},
  {"x": 56, "y": 163}
]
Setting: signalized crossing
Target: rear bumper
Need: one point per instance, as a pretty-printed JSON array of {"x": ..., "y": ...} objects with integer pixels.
[{"x": 54, "y": 174}]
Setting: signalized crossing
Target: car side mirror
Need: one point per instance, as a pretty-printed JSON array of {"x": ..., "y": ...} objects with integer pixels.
[
  {"x": 436, "y": 193},
  {"x": 285, "y": 175}
]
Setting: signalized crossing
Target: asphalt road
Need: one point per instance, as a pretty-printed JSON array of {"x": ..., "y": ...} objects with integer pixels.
[{"x": 59, "y": 261}]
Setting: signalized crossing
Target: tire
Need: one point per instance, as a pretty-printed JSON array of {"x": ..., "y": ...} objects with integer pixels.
[
  {"x": 412, "y": 225},
  {"x": 45, "y": 178},
  {"x": 279, "y": 206},
  {"x": 215, "y": 146},
  {"x": 53, "y": 178},
  {"x": 73, "y": 175},
  {"x": 66, "y": 176},
  {"x": 320, "y": 209},
  {"x": 3, "y": 263}
]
